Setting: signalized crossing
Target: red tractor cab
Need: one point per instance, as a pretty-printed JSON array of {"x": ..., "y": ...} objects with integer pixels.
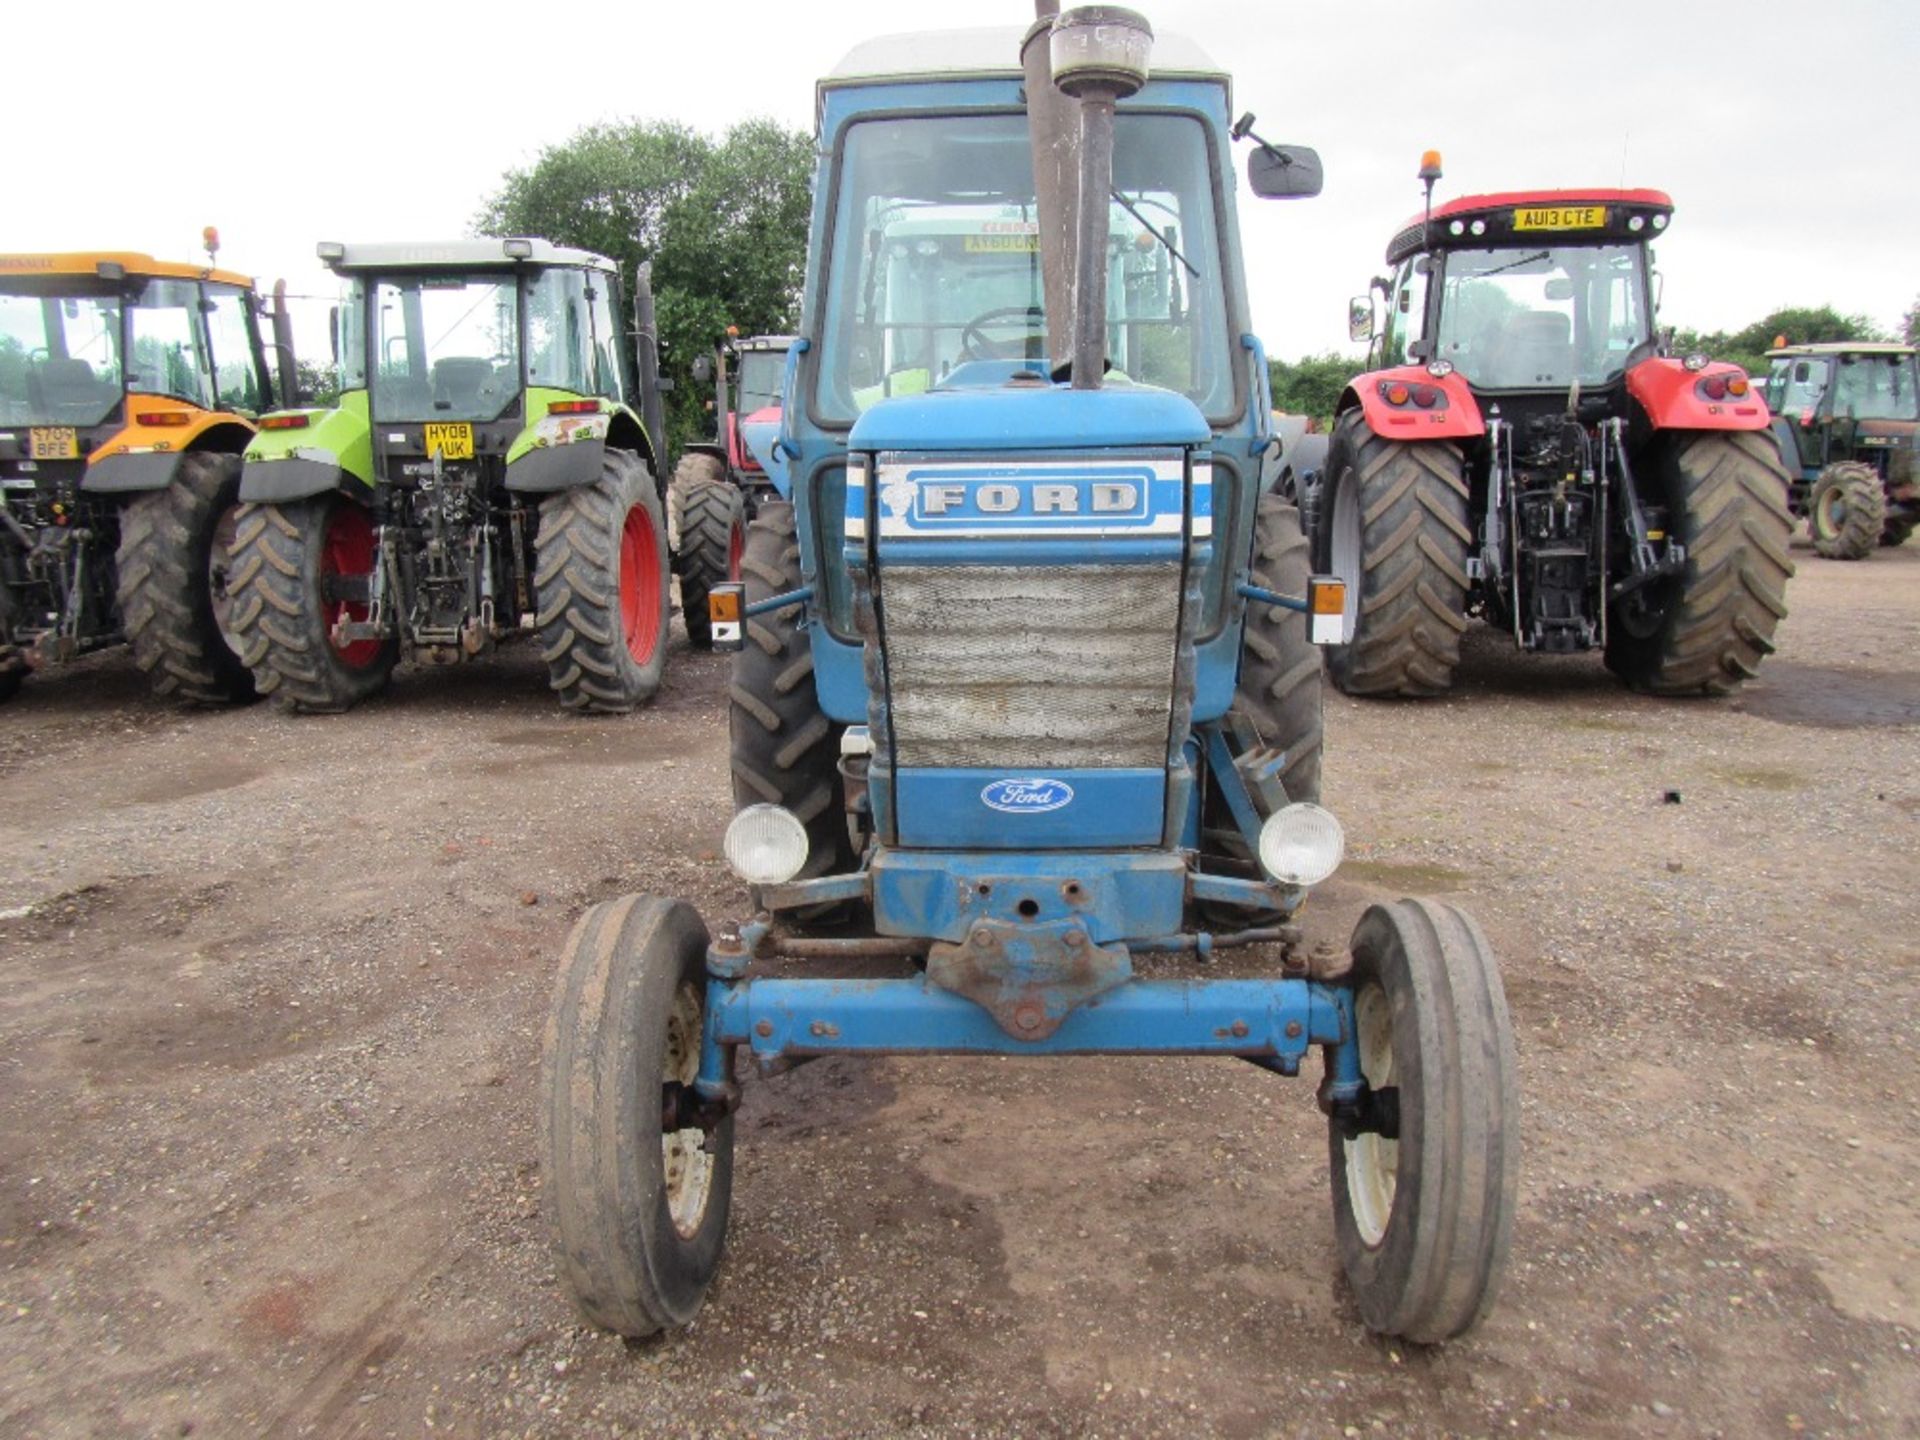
[
  {"x": 1527, "y": 454},
  {"x": 719, "y": 484}
]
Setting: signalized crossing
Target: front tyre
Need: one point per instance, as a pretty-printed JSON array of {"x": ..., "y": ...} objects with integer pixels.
[
  {"x": 710, "y": 525},
  {"x": 293, "y": 568},
  {"x": 1423, "y": 1221},
  {"x": 1392, "y": 522},
  {"x": 1847, "y": 511},
  {"x": 637, "y": 1212},
  {"x": 174, "y": 569},
  {"x": 1708, "y": 630},
  {"x": 600, "y": 580}
]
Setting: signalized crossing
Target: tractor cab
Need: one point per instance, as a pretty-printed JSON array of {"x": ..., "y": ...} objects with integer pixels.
[
  {"x": 1847, "y": 420},
  {"x": 122, "y": 378}
]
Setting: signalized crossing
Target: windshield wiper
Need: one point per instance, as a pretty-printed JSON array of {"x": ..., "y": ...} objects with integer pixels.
[
  {"x": 1134, "y": 211},
  {"x": 1510, "y": 265}
]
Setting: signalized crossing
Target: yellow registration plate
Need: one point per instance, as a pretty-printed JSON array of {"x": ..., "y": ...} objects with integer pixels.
[
  {"x": 53, "y": 442},
  {"x": 450, "y": 442},
  {"x": 1560, "y": 217}
]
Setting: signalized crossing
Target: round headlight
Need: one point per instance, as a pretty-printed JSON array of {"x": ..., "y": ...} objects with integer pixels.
[
  {"x": 766, "y": 845},
  {"x": 1301, "y": 844}
]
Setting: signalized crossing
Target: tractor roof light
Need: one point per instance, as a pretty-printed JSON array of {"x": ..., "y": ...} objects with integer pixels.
[
  {"x": 1439, "y": 369},
  {"x": 110, "y": 270},
  {"x": 1659, "y": 222},
  {"x": 765, "y": 845},
  {"x": 517, "y": 249},
  {"x": 330, "y": 251},
  {"x": 1694, "y": 363},
  {"x": 1637, "y": 223},
  {"x": 1100, "y": 50},
  {"x": 1458, "y": 227},
  {"x": 1430, "y": 165},
  {"x": 1479, "y": 227},
  {"x": 1301, "y": 844}
]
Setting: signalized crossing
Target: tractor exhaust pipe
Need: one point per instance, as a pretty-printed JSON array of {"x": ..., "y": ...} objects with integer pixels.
[{"x": 1096, "y": 56}]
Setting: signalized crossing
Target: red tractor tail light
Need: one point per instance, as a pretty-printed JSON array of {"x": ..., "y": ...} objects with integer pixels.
[
  {"x": 1714, "y": 387},
  {"x": 285, "y": 422},
  {"x": 1395, "y": 392},
  {"x": 164, "y": 417},
  {"x": 1737, "y": 386},
  {"x": 1425, "y": 396},
  {"x": 574, "y": 407}
]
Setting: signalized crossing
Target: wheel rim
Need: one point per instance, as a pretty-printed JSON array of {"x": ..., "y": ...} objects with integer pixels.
[
  {"x": 347, "y": 550},
  {"x": 639, "y": 585},
  {"x": 685, "y": 1163},
  {"x": 1346, "y": 544},
  {"x": 1373, "y": 1161},
  {"x": 1832, "y": 512},
  {"x": 219, "y": 570},
  {"x": 736, "y": 549}
]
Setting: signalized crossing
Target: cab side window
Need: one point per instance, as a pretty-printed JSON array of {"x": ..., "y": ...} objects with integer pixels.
[
  {"x": 230, "y": 331},
  {"x": 610, "y": 371}
]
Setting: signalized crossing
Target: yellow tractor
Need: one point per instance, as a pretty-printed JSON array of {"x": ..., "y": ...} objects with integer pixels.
[{"x": 128, "y": 387}]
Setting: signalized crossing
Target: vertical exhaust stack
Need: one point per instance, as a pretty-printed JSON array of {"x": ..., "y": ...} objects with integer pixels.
[
  {"x": 1054, "y": 134},
  {"x": 1098, "y": 57}
]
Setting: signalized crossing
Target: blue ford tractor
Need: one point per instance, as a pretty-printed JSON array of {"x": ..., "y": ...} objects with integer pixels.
[{"x": 1025, "y": 690}]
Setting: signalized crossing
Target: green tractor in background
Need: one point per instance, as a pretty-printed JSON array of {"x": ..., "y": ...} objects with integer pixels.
[
  {"x": 1846, "y": 417},
  {"x": 489, "y": 469}
]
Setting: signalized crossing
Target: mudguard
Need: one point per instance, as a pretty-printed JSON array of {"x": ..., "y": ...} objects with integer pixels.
[
  {"x": 332, "y": 450},
  {"x": 546, "y": 468},
  {"x": 1671, "y": 396},
  {"x": 1455, "y": 415},
  {"x": 277, "y": 481},
  {"x": 143, "y": 455},
  {"x": 128, "y": 472}
]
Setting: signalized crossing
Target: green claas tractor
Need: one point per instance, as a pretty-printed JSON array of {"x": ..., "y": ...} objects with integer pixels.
[
  {"x": 128, "y": 387},
  {"x": 488, "y": 470},
  {"x": 1847, "y": 419},
  {"x": 718, "y": 485}
]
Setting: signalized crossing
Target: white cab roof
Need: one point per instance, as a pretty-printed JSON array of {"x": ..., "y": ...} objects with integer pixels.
[
  {"x": 956, "y": 54},
  {"x": 460, "y": 254}
]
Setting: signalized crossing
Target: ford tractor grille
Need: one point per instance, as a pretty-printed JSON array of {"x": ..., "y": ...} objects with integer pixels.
[{"x": 1031, "y": 667}]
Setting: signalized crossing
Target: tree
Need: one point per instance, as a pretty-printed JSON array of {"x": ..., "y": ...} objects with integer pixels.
[
  {"x": 1311, "y": 385},
  {"x": 724, "y": 223},
  {"x": 1798, "y": 325},
  {"x": 1910, "y": 324}
]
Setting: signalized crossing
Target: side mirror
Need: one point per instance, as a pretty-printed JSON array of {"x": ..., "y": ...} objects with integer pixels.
[
  {"x": 1284, "y": 172},
  {"x": 1360, "y": 318},
  {"x": 702, "y": 369}
]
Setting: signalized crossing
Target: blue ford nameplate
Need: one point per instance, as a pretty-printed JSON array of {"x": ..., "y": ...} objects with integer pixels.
[
  {"x": 1137, "y": 497},
  {"x": 1027, "y": 797}
]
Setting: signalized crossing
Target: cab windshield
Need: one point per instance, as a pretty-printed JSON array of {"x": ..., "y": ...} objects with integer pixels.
[
  {"x": 1539, "y": 319},
  {"x": 445, "y": 347},
  {"x": 758, "y": 383},
  {"x": 1875, "y": 387},
  {"x": 60, "y": 359},
  {"x": 937, "y": 260}
]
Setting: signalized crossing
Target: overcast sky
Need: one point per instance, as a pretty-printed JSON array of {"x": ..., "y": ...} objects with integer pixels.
[{"x": 1785, "y": 132}]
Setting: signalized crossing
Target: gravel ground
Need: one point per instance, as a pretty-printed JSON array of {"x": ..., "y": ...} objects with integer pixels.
[{"x": 270, "y": 1001}]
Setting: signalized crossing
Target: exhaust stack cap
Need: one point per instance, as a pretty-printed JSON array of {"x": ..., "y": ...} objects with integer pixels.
[{"x": 1100, "y": 50}]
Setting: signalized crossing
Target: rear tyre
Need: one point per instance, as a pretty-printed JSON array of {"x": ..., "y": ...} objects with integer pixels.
[
  {"x": 1728, "y": 506},
  {"x": 1847, "y": 511},
  {"x": 1392, "y": 518},
  {"x": 1423, "y": 1221},
  {"x": 638, "y": 1213},
  {"x": 710, "y": 529},
  {"x": 174, "y": 568},
  {"x": 286, "y": 560},
  {"x": 600, "y": 578},
  {"x": 785, "y": 751}
]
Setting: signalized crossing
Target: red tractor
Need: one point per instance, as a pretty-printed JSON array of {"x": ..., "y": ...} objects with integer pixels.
[
  {"x": 719, "y": 484},
  {"x": 1527, "y": 454}
]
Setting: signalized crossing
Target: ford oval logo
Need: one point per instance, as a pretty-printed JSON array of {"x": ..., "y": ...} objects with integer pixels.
[{"x": 1027, "y": 797}]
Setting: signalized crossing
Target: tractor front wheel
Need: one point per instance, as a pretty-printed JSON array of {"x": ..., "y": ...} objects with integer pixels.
[
  {"x": 290, "y": 564},
  {"x": 710, "y": 537},
  {"x": 1847, "y": 511},
  {"x": 1392, "y": 521},
  {"x": 600, "y": 581},
  {"x": 1423, "y": 1216},
  {"x": 1707, "y": 630},
  {"x": 637, "y": 1204},
  {"x": 174, "y": 567}
]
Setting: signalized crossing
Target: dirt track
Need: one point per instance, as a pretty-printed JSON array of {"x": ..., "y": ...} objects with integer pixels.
[{"x": 269, "y": 1044}]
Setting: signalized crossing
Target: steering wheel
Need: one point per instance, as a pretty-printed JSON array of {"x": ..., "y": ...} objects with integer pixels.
[{"x": 974, "y": 345}]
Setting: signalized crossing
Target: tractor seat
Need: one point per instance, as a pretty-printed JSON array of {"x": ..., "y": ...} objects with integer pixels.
[
  {"x": 1534, "y": 349},
  {"x": 58, "y": 385},
  {"x": 459, "y": 383}
]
